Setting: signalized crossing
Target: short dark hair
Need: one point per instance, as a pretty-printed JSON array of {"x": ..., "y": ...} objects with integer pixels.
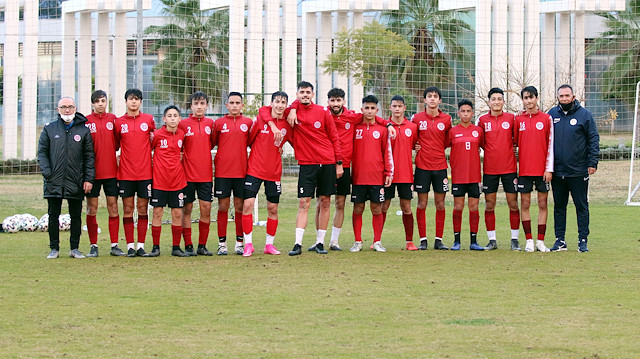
[
  {"x": 136, "y": 93},
  {"x": 530, "y": 89},
  {"x": 170, "y": 107},
  {"x": 431, "y": 89},
  {"x": 464, "y": 102},
  {"x": 279, "y": 94},
  {"x": 397, "y": 98},
  {"x": 370, "y": 99},
  {"x": 336, "y": 93},
  {"x": 304, "y": 84},
  {"x": 198, "y": 95},
  {"x": 495, "y": 90},
  {"x": 97, "y": 94},
  {"x": 234, "y": 93},
  {"x": 565, "y": 86}
]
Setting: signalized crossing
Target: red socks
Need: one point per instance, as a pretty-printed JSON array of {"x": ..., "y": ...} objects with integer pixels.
[
  {"x": 238, "y": 219},
  {"x": 272, "y": 226},
  {"x": 186, "y": 233},
  {"x": 384, "y": 218},
  {"x": 514, "y": 219},
  {"x": 356, "y": 219},
  {"x": 203, "y": 232},
  {"x": 143, "y": 222},
  {"x": 474, "y": 219},
  {"x": 542, "y": 228},
  {"x": 457, "y": 220},
  {"x": 114, "y": 228},
  {"x": 222, "y": 223},
  {"x": 440, "y": 213},
  {"x": 247, "y": 222},
  {"x": 421, "y": 218},
  {"x": 490, "y": 220},
  {"x": 127, "y": 223},
  {"x": 407, "y": 221},
  {"x": 92, "y": 228},
  {"x": 155, "y": 234},
  {"x": 378, "y": 223},
  {"x": 176, "y": 233},
  {"x": 526, "y": 226}
]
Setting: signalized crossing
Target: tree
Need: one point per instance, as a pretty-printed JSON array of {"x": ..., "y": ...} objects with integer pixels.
[
  {"x": 371, "y": 56},
  {"x": 622, "y": 37},
  {"x": 433, "y": 34},
  {"x": 194, "y": 49}
]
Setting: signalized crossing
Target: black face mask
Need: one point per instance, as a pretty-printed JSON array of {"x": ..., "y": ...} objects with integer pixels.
[{"x": 566, "y": 106}]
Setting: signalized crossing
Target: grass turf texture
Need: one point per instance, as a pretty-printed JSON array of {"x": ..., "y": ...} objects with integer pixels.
[{"x": 394, "y": 304}]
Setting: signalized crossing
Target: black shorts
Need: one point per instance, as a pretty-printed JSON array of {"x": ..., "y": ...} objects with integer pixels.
[
  {"x": 343, "y": 184},
  {"x": 362, "y": 193},
  {"x": 204, "y": 190},
  {"x": 223, "y": 186},
  {"x": 320, "y": 179},
  {"x": 272, "y": 189},
  {"x": 461, "y": 189},
  {"x": 525, "y": 184},
  {"x": 131, "y": 188},
  {"x": 173, "y": 199},
  {"x": 405, "y": 191},
  {"x": 490, "y": 183},
  {"x": 424, "y": 179},
  {"x": 110, "y": 187}
]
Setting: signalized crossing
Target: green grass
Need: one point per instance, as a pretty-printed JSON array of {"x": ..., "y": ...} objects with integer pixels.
[{"x": 495, "y": 304}]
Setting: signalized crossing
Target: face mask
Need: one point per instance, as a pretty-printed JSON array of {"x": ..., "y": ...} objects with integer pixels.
[
  {"x": 566, "y": 106},
  {"x": 67, "y": 118}
]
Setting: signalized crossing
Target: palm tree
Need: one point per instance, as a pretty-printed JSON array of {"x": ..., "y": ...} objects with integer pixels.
[
  {"x": 194, "y": 51},
  {"x": 622, "y": 37},
  {"x": 433, "y": 34}
]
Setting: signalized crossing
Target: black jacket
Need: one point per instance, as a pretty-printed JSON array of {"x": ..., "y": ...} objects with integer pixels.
[
  {"x": 66, "y": 158},
  {"x": 576, "y": 143}
]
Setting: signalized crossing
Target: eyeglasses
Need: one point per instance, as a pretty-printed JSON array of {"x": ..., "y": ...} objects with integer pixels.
[{"x": 65, "y": 108}]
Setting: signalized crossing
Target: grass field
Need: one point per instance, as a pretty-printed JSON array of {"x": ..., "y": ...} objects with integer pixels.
[{"x": 465, "y": 304}]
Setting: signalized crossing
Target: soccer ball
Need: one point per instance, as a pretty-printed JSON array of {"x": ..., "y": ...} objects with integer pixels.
[
  {"x": 11, "y": 224},
  {"x": 65, "y": 222},
  {"x": 29, "y": 222},
  {"x": 43, "y": 223}
]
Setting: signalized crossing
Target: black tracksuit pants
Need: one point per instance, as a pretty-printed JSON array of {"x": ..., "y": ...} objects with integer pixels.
[{"x": 577, "y": 187}]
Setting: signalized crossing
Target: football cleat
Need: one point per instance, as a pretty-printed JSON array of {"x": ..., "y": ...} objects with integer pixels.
[
  {"x": 423, "y": 245},
  {"x": 155, "y": 252},
  {"x": 312, "y": 248},
  {"x": 529, "y": 246},
  {"x": 93, "y": 252},
  {"x": 541, "y": 247},
  {"x": 456, "y": 246},
  {"x": 53, "y": 254},
  {"x": 582, "y": 246},
  {"x": 131, "y": 252},
  {"x": 334, "y": 247},
  {"x": 438, "y": 245},
  {"x": 222, "y": 249},
  {"x": 320, "y": 248},
  {"x": 377, "y": 246},
  {"x": 491, "y": 246},
  {"x": 271, "y": 249},
  {"x": 410, "y": 246},
  {"x": 248, "y": 250},
  {"x": 239, "y": 248},
  {"x": 559, "y": 245},
  {"x": 188, "y": 250},
  {"x": 178, "y": 253},
  {"x": 476, "y": 247},
  {"x": 357, "y": 247},
  {"x": 296, "y": 251},
  {"x": 75, "y": 253},
  {"x": 141, "y": 252},
  {"x": 515, "y": 246},
  {"x": 117, "y": 252},
  {"x": 203, "y": 251}
]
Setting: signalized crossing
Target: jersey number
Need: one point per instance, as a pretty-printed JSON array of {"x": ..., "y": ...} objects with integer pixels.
[{"x": 467, "y": 146}]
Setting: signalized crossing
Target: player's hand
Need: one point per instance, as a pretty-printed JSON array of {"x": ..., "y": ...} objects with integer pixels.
[
  {"x": 339, "y": 171},
  {"x": 417, "y": 147},
  {"x": 292, "y": 118},
  {"x": 547, "y": 176},
  {"x": 281, "y": 150},
  {"x": 392, "y": 132},
  {"x": 592, "y": 170},
  {"x": 277, "y": 134},
  {"x": 87, "y": 186},
  {"x": 387, "y": 181}
]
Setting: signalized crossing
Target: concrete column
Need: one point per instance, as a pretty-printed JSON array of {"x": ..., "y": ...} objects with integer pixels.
[
  {"x": 102, "y": 59},
  {"x": 30, "y": 80},
  {"x": 325, "y": 33},
  {"x": 516, "y": 78},
  {"x": 342, "y": 24},
  {"x": 271, "y": 50},
  {"x": 563, "y": 48},
  {"x": 254, "y": 49},
  {"x": 483, "y": 47},
  {"x": 236, "y": 46},
  {"x": 83, "y": 100},
  {"x": 10, "y": 81},
  {"x": 309, "y": 26},
  {"x": 68, "y": 71},
  {"x": 548, "y": 80},
  {"x": 532, "y": 44},
  {"x": 289, "y": 48},
  {"x": 119, "y": 73},
  {"x": 357, "y": 90},
  {"x": 499, "y": 47},
  {"x": 579, "y": 63}
]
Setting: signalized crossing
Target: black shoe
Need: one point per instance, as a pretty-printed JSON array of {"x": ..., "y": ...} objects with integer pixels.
[
  {"x": 320, "y": 248},
  {"x": 335, "y": 247},
  {"x": 131, "y": 253},
  {"x": 491, "y": 246},
  {"x": 423, "y": 245},
  {"x": 93, "y": 252},
  {"x": 203, "y": 251},
  {"x": 188, "y": 250},
  {"x": 178, "y": 253},
  {"x": 515, "y": 246},
  {"x": 117, "y": 252},
  {"x": 312, "y": 248},
  {"x": 296, "y": 251},
  {"x": 141, "y": 253},
  {"x": 438, "y": 245},
  {"x": 155, "y": 252}
]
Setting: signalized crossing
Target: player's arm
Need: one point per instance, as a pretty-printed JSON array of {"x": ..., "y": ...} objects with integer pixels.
[
  {"x": 548, "y": 170},
  {"x": 292, "y": 117},
  {"x": 43, "y": 153},
  {"x": 214, "y": 134},
  {"x": 593, "y": 144},
  {"x": 387, "y": 156}
]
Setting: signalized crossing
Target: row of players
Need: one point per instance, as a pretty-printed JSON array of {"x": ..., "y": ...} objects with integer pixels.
[{"x": 329, "y": 144}]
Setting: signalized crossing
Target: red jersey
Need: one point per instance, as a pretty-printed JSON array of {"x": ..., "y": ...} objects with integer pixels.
[
  {"x": 168, "y": 172},
  {"x": 535, "y": 143},
  {"x": 133, "y": 136},
  {"x": 499, "y": 138},
  {"x": 432, "y": 136},
  {"x": 104, "y": 144},
  {"x": 231, "y": 135},
  {"x": 402, "y": 146},
  {"x": 197, "y": 148},
  {"x": 265, "y": 161},
  {"x": 465, "y": 146},
  {"x": 345, "y": 124},
  {"x": 316, "y": 140},
  {"x": 372, "y": 155}
]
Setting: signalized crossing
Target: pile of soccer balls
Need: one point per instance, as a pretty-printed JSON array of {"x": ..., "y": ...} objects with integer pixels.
[{"x": 30, "y": 223}]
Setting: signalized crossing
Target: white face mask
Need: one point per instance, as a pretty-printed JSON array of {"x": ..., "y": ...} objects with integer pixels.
[{"x": 67, "y": 118}]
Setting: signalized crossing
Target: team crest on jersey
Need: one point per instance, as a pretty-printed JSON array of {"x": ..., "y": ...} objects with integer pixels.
[
  {"x": 407, "y": 132},
  {"x": 539, "y": 125},
  {"x": 110, "y": 126},
  {"x": 244, "y": 128},
  {"x": 76, "y": 138},
  {"x": 506, "y": 125},
  {"x": 474, "y": 133},
  {"x": 347, "y": 125},
  {"x": 573, "y": 122},
  {"x": 441, "y": 126},
  {"x": 207, "y": 130},
  {"x": 180, "y": 143},
  {"x": 283, "y": 132},
  {"x": 124, "y": 128},
  {"x": 144, "y": 126},
  {"x": 376, "y": 134},
  {"x": 317, "y": 124}
]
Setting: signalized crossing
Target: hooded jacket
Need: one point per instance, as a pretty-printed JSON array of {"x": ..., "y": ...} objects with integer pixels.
[
  {"x": 66, "y": 158},
  {"x": 576, "y": 143}
]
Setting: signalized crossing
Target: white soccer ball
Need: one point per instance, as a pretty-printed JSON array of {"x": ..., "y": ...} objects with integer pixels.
[
  {"x": 11, "y": 224},
  {"x": 29, "y": 222},
  {"x": 65, "y": 222},
  {"x": 43, "y": 223}
]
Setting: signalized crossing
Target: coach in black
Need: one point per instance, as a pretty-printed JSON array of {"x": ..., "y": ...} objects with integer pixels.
[
  {"x": 575, "y": 150},
  {"x": 65, "y": 155}
]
